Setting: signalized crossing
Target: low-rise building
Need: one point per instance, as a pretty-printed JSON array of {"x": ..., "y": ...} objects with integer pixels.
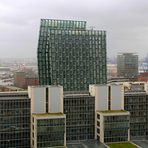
[
  {"x": 24, "y": 79},
  {"x": 48, "y": 130},
  {"x": 136, "y": 102},
  {"x": 113, "y": 126},
  {"x": 143, "y": 77},
  {"x": 111, "y": 120},
  {"x": 9, "y": 88}
]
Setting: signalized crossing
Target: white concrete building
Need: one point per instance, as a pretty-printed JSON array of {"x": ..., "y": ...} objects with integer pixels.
[
  {"x": 48, "y": 123},
  {"x": 109, "y": 104}
]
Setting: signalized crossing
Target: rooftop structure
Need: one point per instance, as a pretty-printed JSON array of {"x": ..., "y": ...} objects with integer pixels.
[
  {"x": 9, "y": 88},
  {"x": 107, "y": 112},
  {"x": 86, "y": 144},
  {"x": 122, "y": 145},
  {"x": 48, "y": 114}
]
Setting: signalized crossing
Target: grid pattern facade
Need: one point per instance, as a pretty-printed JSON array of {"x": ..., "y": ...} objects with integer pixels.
[
  {"x": 137, "y": 105},
  {"x": 14, "y": 120},
  {"x": 116, "y": 128},
  {"x": 80, "y": 114},
  {"x": 50, "y": 132},
  {"x": 71, "y": 56},
  {"x": 127, "y": 65}
]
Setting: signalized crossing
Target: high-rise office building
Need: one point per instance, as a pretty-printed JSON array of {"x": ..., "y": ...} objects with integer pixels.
[
  {"x": 127, "y": 65},
  {"x": 14, "y": 120},
  {"x": 71, "y": 55}
]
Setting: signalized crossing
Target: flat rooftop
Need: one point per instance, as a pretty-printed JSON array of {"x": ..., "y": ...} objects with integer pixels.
[
  {"x": 141, "y": 143},
  {"x": 113, "y": 111},
  {"x": 76, "y": 93},
  {"x": 122, "y": 145},
  {"x": 13, "y": 92},
  {"x": 60, "y": 147},
  {"x": 138, "y": 93},
  {"x": 86, "y": 144},
  {"x": 47, "y": 114}
]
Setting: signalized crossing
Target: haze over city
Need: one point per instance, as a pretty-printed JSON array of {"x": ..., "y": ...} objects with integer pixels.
[
  {"x": 73, "y": 74},
  {"x": 125, "y": 22}
]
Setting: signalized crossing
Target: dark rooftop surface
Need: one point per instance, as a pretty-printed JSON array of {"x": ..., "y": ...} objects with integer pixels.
[
  {"x": 141, "y": 143},
  {"x": 86, "y": 144},
  {"x": 122, "y": 145}
]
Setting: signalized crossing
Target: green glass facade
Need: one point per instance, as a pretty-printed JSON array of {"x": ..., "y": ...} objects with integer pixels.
[
  {"x": 137, "y": 104},
  {"x": 116, "y": 128},
  {"x": 80, "y": 116},
  {"x": 127, "y": 65},
  {"x": 50, "y": 132},
  {"x": 70, "y": 55},
  {"x": 14, "y": 120}
]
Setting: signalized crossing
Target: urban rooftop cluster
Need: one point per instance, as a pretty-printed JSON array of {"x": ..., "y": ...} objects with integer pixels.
[{"x": 73, "y": 101}]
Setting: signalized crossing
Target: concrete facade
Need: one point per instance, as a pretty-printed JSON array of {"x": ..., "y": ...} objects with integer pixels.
[
  {"x": 47, "y": 134},
  {"x": 55, "y": 103},
  {"x": 48, "y": 123},
  {"x": 117, "y": 97},
  {"x": 38, "y": 102},
  {"x": 113, "y": 126},
  {"x": 101, "y": 96}
]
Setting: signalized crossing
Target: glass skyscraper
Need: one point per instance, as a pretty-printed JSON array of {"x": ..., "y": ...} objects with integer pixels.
[
  {"x": 127, "y": 65},
  {"x": 70, "y": 55}
]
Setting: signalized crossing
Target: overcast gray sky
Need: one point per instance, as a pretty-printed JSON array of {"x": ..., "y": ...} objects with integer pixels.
[{"x": 126, "y": 23}]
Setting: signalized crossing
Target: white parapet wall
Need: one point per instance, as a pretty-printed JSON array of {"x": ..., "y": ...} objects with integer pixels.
[
  {"x": 55, "y": 96},
  {"x": 146, "y": 87},
  {"x": 108, "y": 96},
  {"x": 92, "y": 89},
  {"x": 46, "y": 116},
  {"x": 101, "y": 96},
  {"x": 46, "y": 99},
  {"x": 104, "y": 124},
  {"x": 117, "y": 97},
  {"x": 38, "y": 101}
]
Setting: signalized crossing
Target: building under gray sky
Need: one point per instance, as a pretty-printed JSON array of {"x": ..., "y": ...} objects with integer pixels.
[
  {"x": 70, "y": 55},
  {"x": 127, "y": 65},
  {"x": 125, "y": 22}
]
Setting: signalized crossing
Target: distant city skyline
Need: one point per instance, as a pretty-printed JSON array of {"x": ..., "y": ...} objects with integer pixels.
[{"x": 125, "y": 22}]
